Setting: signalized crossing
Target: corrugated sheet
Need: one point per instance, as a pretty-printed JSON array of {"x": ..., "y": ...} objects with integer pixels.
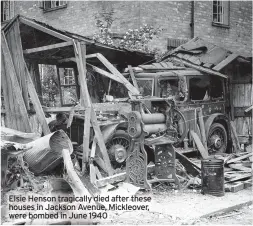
[{"x": 202, "y": 53}]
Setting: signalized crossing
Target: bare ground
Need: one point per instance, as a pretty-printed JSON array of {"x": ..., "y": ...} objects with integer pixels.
[{"x": 166, "y": 209}]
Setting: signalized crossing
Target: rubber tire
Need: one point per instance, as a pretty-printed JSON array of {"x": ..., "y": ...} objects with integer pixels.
[
  {"x": 149, "y": 151},
  {"x": 224, "y": 146},
  {"x": 121, "y": 133}
]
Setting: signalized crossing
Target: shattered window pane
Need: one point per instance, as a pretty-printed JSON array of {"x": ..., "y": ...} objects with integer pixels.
[
  {"x": 216, "y": 88},
  {"x": 169, "y": 88},
  {"x": 146, "y": 86},
  {"x": 199, "y": 88},
  {"x": 69, "y": 96}
]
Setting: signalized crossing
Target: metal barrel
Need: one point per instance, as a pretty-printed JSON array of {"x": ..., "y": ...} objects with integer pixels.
[
  {"x": 212, "y": 177},
  {"x": 46, "y": 152}
]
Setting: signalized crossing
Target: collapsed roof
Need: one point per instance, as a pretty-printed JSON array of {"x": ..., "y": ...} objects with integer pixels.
[
  {"x": 36, "y": 34},
  {"x": 204, "y": 56}
]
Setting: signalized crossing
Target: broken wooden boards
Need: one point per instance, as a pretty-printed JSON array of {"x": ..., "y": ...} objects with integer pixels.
[
  {"x": 201, "y": 148},
  {"x": 238, "y": 175},
  {"x": 10, "y": 149},
  {"x": 13, "y": 135},
  {"x": 76, "y": 184},
  {"x": 46, "y": 152}
]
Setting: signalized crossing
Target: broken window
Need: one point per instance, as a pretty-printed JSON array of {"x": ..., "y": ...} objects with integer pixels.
[
  {"x": 169, "y": 88},
  {"x": 50, "y": 85},
  {"x": 199, "y": 88},
  {"x": 175, "y": 87},
  {"x": 68, "y": 87},
  {"x": 7, "y": 10},
  {"x": 216, "y": 88},
  {"x": 49, "y": 5},
  {"x": 221, "y": 12},
  {"x": 146, "y": 86},
  {"x": 206, "y": 88}
]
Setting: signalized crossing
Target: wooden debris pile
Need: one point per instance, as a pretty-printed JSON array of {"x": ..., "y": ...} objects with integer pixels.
[{"x": 237, "y": 171}]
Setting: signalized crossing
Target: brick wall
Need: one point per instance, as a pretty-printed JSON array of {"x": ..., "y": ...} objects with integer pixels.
[
  {"x": 238, "y": 37},
  {"x": 174, "y": 17}
]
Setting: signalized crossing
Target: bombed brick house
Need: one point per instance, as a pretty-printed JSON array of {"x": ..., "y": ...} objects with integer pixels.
[
  {"x": 121, "y": 115},
  {"x": 225, "y": 23}
]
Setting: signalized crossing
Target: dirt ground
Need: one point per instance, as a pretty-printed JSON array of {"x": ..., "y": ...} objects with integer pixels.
[
  {"x": 243, "y": 216},
  {"x": 167, "y": 216},
  {"x": 185, "y": 207}
]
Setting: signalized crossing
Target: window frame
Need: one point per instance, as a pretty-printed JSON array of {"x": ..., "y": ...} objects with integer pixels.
[
  {"x": 10, "y": 10},
  {"x": 49, "y": 9},
  {"x": 166, "y": 79},
  {"x": 227, "y": 14},
  {"x": 148, "y": 79},
  {"x": 63, "y": 85},
  {"x": 190, "y": 90}
]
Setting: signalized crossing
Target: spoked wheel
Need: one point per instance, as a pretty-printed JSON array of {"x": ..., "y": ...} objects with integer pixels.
[
  {"x": 117, "y": 148},
  {"x": 217, "y": 139}
]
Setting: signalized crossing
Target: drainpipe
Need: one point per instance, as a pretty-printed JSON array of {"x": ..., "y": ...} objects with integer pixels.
[{"x": 192, "y": 19}]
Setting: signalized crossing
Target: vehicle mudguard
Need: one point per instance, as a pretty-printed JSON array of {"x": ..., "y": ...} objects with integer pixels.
[
  {"x": 109, "y": 130},
  {"x": 219, "y": 118}
]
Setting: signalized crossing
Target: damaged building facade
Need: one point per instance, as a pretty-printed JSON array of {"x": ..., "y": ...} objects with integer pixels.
[{"x": 225, "y": 23}]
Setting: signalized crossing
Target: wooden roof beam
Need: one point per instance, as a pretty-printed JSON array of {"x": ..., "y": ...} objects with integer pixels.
[
  {"x": 206, "y": 70},
  {"x": 44, "y": 48},
  {"x": 225, "y": 62},
  {"x": 114, "y": 71}
]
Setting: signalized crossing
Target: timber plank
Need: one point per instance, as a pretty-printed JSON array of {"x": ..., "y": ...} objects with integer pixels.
[
  {"x": 239, "y": 177},
  {"x": 114, "y": 71},
  {"x": 94, "y": 122},
  {"x": 85, "y": 100},
  {"x": 48, "y": 47},
  {"x": 92, "y": 167},
  {"x": 7, "y": 118},
  {"x": 225, "y": 62},
  {"x": 202, "y": 127},
  {"x": 105, "y": 73},
  {"x": 17, "y": 91},
  {"x": 203, "y": 69},
  {"x": 36, "y": 103},
  {"x": 239, "y": 158},
  {"x": 240, "y": 167},
  {"x": 231, "y": 99},
  {"x": 235, "y": 137},
  {"x": 246, "y": 97},
  {"x": 101, "y": 143},
  {"x": 81, "y": 47},
  {"x": 190, "y": 167},
  {"x": 202, "y": 150},
  {"x": 13, "y": 106},
  {"x": 133, "y": 77},
  {"x": 100, "y": 163},
  {"x": 17, "y": 55}
]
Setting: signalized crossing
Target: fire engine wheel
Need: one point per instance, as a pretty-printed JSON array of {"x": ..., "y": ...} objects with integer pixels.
[
  {"x": 217, "y": 139},
  {"x": 117, "y": 148}
]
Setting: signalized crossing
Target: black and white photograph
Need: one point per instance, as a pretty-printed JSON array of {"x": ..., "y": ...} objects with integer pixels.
[{"x": 126, "y": 112}]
